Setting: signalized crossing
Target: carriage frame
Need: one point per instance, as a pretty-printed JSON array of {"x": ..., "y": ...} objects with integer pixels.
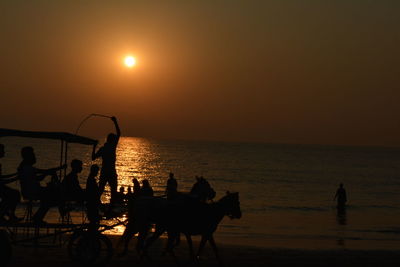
[{"x": 85, "y": 243}]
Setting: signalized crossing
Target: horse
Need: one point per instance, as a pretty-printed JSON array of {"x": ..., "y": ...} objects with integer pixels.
[
  {"x": 194, "y": 218},
  {"x": 143, "y": 210}
]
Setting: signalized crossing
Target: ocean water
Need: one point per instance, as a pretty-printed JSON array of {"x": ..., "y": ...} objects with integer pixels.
[{"x": 286, "y": 191}]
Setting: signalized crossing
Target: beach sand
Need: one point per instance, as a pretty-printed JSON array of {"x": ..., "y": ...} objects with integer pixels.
[{"x": 232, "y": 255}]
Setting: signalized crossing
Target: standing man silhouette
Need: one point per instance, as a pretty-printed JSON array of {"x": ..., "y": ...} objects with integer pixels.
[
  {"x": 341, "y": 197},
  {"x": 108, "y": 155}
]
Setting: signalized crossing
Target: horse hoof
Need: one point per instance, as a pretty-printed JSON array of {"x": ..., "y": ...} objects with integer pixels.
[{"x": 122, "y": 254}]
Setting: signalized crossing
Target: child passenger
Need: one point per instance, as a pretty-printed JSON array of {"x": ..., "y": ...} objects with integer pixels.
[
  {"x": 71, "y": 188},
  {"x": 93, "y": 196}
]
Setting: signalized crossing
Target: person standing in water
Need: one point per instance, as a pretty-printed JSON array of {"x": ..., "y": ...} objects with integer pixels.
[
  {"x": 107, "y": 153},
  {"x": 341, "y": 197}
]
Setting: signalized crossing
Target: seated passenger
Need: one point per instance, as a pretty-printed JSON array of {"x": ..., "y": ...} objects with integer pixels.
[
  {"x": 93, "y": 195},
  {"x": 146, "y": 190},
  {"x": 71, "y": 190},
  {"x": 172, "y": 187},
  {"x": 136, "y": 187},
  {"x": 202, "y": 190},
  {"x": 30, "y": 178},
  {"x": 120, "y": 196},
  {"x": 9, "y": 197},
  {"x": 129, "y": 194}
]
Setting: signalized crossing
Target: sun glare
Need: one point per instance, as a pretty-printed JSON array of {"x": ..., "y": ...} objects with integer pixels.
[{"x": 130, "y": 61}]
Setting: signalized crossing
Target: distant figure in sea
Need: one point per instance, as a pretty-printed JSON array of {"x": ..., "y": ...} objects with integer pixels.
[
  {"x": 9, "y": 197},
  {"x": 93, "y": 196},
  {"x": 341, "y": 197},
  {"x": 71, "y": 189},
  {"x": 172, "y": 187},
  {"x": 146, "y": 190},
  {"x": 107, "y": 152},
  {"x": 30, "y": 177}
]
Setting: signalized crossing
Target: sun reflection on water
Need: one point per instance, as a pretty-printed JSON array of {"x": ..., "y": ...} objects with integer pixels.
[{"x": 136, "y": 158}]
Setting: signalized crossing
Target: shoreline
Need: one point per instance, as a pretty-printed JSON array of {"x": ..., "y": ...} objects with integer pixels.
[{"x": 232, "y": 255}]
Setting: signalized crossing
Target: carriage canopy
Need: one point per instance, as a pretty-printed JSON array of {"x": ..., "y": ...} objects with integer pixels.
[{"x": 66, "y": 137}]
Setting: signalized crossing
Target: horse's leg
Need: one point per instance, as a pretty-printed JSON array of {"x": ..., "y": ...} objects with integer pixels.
[
  {"x": 170, "y": 246},
  {"x": 178, "y": 240},
  {"x": 141, "y": 245},
  {"x": 214, "y": 246},
  {"x": 144, "y": 244},
  {"x": 125, "y": 239},
  {"x": 202, "y": 244},
  {"x": 158, "y": 232},
  {"x": 190, "y": 243}
]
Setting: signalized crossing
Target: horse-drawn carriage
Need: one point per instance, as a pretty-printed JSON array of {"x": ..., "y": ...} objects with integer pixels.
[
  {"x": 83, "y": 244},
  {"x": 87, "y": 243}
]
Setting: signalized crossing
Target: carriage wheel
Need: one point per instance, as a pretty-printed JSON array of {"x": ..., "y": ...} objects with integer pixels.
[
  {"x": 90, "y": 248},
  {"x": 6, "y": 248}
]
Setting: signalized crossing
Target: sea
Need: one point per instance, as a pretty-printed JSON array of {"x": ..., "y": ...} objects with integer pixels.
[{"x": 286, "y": 191}]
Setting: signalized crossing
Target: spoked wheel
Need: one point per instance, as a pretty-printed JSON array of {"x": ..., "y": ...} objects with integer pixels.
[
  {"x": 6, "y": 248},
  {"x": 90, "y": 247}
]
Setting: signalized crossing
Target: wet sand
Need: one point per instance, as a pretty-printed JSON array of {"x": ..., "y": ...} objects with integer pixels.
[{"x": 232, "y": 255}]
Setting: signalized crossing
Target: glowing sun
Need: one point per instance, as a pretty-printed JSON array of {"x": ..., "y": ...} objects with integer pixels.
[{"x": 129, "y": 61}]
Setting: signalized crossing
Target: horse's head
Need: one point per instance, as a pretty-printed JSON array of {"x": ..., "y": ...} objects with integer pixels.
[
  {"x": 231, "y": 204},
  {"x": 202, "y": 189}
]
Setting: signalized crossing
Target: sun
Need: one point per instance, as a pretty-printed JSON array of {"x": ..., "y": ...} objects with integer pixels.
[{"x": 129, "y": 61}]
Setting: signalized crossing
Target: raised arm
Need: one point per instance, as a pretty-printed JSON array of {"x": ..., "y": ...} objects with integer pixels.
[{"x": 117, "y": 129}]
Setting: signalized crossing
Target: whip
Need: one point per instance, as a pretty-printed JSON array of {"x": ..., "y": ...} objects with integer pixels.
[{"x": 88, "y": 117}]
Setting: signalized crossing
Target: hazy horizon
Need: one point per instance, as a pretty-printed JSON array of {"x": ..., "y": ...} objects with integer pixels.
[{"x": 310, "y": 72}]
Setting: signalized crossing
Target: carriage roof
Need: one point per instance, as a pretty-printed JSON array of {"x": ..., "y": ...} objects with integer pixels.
[{"x": 66, "y": 137}]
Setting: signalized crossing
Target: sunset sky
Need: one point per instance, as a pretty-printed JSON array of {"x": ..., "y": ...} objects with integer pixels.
[{"x": 324, "y": 72}]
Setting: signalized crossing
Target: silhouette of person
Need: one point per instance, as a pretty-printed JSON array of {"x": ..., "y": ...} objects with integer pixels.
[
  {"x": 172, "y": 187},
  {"x": 9, "y": 197},
  {"x": 30, "y": 178},
  {"x": 71, "y": 188},
  {"x": 136, "y": 187},
  {"x": 202, "y": 190},
  {"x": 146, "y": 190},
  {"x": 341, "y": 197},
  {"x": 120, "y": 195},
  {"x": 93, "y": 196},
  {"x": 107, "y": 152},
  {"x": 129, "y": 194}
]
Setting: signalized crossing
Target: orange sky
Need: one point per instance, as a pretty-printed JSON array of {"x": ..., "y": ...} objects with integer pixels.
[{"x": 270, "y": 71}]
